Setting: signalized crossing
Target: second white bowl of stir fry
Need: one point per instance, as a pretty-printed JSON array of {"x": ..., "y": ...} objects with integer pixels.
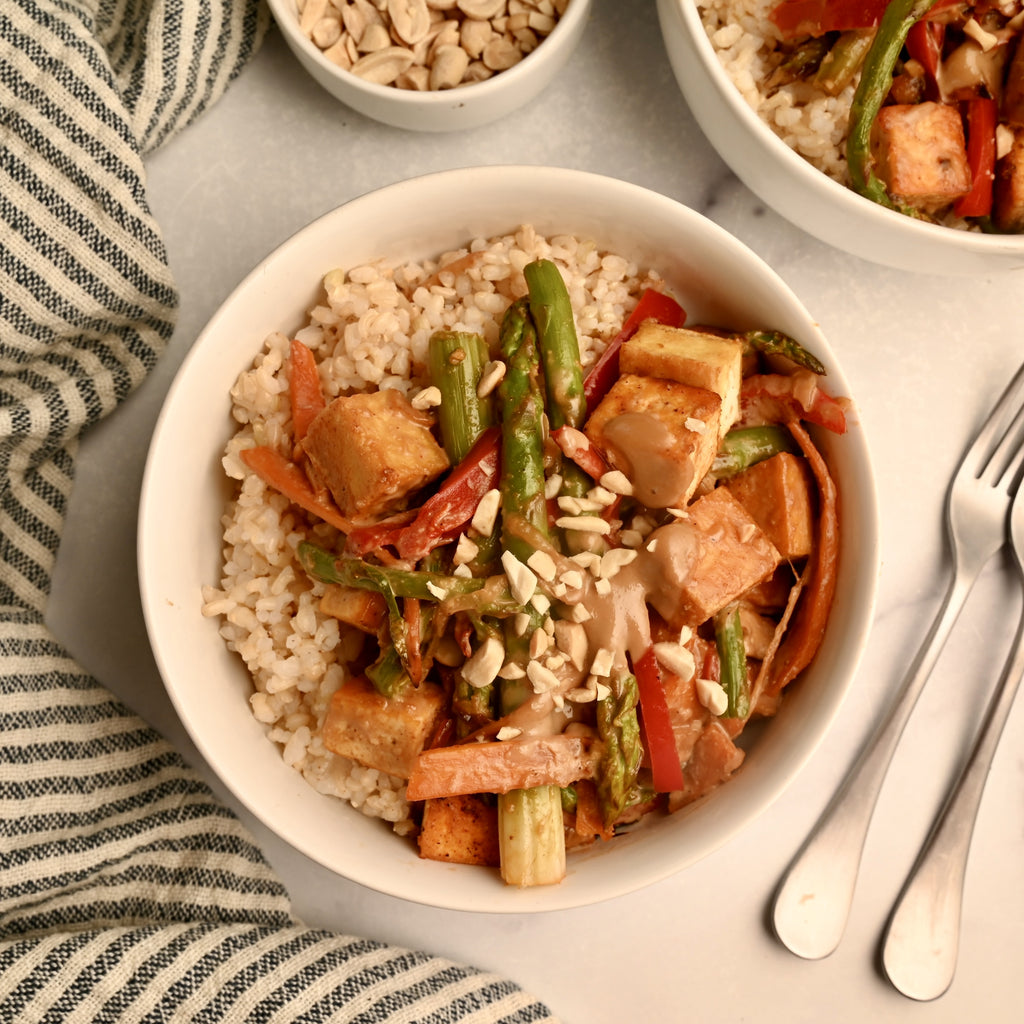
[
  {"x": 508, "y": 539},
  {"x": 891, "y": 130}
]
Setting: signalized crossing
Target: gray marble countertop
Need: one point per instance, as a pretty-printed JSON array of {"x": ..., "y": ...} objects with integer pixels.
[{"x": 925, "y": 358}]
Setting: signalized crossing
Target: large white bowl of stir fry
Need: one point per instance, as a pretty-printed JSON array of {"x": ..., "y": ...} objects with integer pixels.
[
  {"x": 508, "y": 539},
  {"x": 891, "y": 129}
]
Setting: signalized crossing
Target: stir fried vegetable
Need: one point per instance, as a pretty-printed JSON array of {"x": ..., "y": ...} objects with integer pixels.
[
  {"x": 936, "y": 126},
  {"x": 569, "y": 628}
]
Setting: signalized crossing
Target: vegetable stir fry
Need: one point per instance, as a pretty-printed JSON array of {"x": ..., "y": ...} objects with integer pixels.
[
  {"x": 937, "y": 122},
  {"x": 575, "y": 591}
]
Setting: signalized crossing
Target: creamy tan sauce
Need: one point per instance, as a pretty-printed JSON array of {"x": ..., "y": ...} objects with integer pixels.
[
  {"x": 619, "y": 621},
  {"x": 645, "y": 443}
]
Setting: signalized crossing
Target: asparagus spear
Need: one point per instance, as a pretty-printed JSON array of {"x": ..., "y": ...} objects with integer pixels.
[
  {"x": 559, "y": 347},
  {"x": 743, "y": 447},
  {"x": 777, "y": 343},
  {"x": 566, "y": 402},
  {"x": 732, "y": 656},
  {"x": 874, "y": 85},
  {"x": 456, "y": 360},
  {"x": 843, "y": 61},
  {"x": 522, "y": 429},
  {"x": 531, "y": 833},
  {"x": 619, "y": 728}
]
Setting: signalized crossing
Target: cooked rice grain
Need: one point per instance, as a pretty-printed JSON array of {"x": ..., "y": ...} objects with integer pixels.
[
  {"x": 370, "y": 328},
  {"x": 809, "y": 122}
]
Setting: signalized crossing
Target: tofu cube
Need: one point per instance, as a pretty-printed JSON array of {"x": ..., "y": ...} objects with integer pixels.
[
  {"x": 662, "y": 434},
  {"x": 381, "y": 732},
  {"x": 364, "y": 609},
  {"x": 460, "y": 830},
  {"x": 1008, "y": 189},
  {"x": 698, "y": 358},
  {"x": 727, "y": 553},
  {"x": 920, "y": 154},
  {"x": 1012, "y": 106},
  {"x": 715, "y": 758},
  {"x": 778, "y": 494},
  {"x": 372, "y": 451}
]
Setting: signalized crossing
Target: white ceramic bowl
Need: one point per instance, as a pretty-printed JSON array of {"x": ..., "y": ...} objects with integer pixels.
[
  {"x": 807, "y": 197},
  {"x": 446, "y": 110},
  {"x": 718, "y": 281}
]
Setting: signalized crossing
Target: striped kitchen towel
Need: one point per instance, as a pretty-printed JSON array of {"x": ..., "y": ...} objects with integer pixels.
[{"x": 127, "y": 891}]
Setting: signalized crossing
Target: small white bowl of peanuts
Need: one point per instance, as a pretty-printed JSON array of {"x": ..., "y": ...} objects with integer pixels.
[{"x": 432, "y": 65}]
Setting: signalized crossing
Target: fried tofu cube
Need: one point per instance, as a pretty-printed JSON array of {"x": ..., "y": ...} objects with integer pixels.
[
  {"x": 1012, "y": 107},
  {"x": 372, "y": 451},
  {"x": 662, "y": 434},
  {"x": 364, "y": 609},
  {"x": 1008, "y": 189},
  {"x": 715, "y": 758},
  {"x": 460, "y": 830},
  {"x": 386, "y": 733},
  {"x": 920, "y": 154},
  {"x": 712, "y": 557},
  {"x": 778, "y": 494},
  {"x": 698, "y": 358}
]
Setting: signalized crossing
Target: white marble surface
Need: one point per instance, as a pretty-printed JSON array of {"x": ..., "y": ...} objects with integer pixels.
[{"x": 925, "y": 357}]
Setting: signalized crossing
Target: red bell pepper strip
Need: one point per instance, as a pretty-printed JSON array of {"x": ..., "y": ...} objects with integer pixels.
[
  {"x": 981, "y": 118},
  {"x": 653, "y": 305},
  {"x": 441, "y": 516},
  {"x": 307, "y": 397},
  {"x": 659, "y": 739},
  {"x": 777, "y": 398},
  {"x": 588, "y": 457},
  {"x": 924, "y": 44},
  {"x": 816, "y": 17},
  {"x": 288, "y": 478}
]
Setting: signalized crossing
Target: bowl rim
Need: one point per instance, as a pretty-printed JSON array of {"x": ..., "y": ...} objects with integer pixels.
[
  {"x": 286, "y": 17},
  {"x": 853, "y": 204},
  {"x": 754, "y": 793}
]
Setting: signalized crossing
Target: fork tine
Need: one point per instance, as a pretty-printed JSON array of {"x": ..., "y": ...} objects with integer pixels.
[
  {"x": 1004, "y": 464},
  {"x": 1003, "y": 417}
]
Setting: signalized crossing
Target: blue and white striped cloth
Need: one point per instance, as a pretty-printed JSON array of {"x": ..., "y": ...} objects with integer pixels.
[{"x": 127, "y": 891}]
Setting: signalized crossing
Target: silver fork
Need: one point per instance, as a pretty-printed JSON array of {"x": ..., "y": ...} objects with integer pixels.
[
  {"x": 923, "y": 935},
  {"x": 813, "y": 901}
]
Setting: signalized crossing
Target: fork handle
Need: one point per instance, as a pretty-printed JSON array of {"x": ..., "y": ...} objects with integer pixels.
[
  {"x": 813, "y": 901},
  {"x": 922, "y": 938}
]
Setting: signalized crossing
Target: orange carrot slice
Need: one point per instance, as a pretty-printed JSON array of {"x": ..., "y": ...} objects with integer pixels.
[
  {"x": 288, "y": 478},
  {"x": 804, "y": 637},
  {"x": 307, "y": 397}
]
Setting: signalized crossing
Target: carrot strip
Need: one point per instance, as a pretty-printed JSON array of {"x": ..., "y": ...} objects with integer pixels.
[
  {"x": 804, "y": 637},
  {"x": 288, "y": 478},
  {"x": 500, "y": 767},
  {"x": 307, "y": 397},
  {"x": 589, "y": 820}
]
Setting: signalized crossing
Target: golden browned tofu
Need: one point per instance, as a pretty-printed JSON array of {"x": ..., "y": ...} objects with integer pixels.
[
  {"x": 662, "y": 434},
  {"x": 778, "y": 494},
  {"x": 697, "y": 358},
  {"x": 364, "y": 609},
  {"x": 1012, "y": 106},
  {"x": 920, "y": 154},
  {"x": 730, "y": 556},
  {"x": 380, "y": 732},
  {"x": 715, "y": 757},
  {"x": 460, "y": 830},
  {"x": 1008, "y": 190},
  {"x": 372, "y": 451}
]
